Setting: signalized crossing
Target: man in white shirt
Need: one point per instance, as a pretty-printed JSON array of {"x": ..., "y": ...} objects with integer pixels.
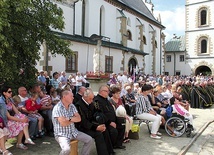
[
  {"x": 168, "y": 93},
  {"x": 79, "y": 80},
  {"x": 124, "y": 78}
]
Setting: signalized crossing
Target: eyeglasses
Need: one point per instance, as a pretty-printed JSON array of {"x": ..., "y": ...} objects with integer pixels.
[
  {"x": 106, "y": 91},
  {"x": 9, "y": 91}
]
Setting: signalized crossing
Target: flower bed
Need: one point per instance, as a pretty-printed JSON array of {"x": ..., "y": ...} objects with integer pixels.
[{"x": 101, "y": 75}]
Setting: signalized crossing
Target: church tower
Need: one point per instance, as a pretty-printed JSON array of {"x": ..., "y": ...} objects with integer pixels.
[{"x": 199, "y": 37}]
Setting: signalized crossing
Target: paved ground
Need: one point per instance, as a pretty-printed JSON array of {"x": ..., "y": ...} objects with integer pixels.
[{"x": 145, "y": 145}]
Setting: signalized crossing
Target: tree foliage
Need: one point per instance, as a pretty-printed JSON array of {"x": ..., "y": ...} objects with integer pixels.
[{"x": 24, "y": 26}]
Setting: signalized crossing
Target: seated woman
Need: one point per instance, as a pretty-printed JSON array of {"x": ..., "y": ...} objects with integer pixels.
[
  {"x": 185, "y": 102},
  {"x": 33, "y": 108},
  {"x": 4, "y": 132},
  {"x": 116, "y": 101},
  {"x": 17, "y": 122},
  {"x": 130, "y": 105},
  {"x": 157, "y": 104},
  {"x": 164, "y": 101},
  {"x": 179, "y": 109},
  {"x": 145, "y": 111}
]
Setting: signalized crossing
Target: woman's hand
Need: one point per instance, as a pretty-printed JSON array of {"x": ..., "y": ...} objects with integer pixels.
[
  {"x": 24, "y": 120},
  {"x": 152, "y": 112}
]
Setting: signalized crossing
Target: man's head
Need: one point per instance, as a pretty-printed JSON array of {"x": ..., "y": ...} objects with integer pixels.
[
  {"x": 22, "y": 91},
  {"x": 36, "y": 88},
  {"x": 88, "y": 96},
  {"x": 125, "y": 73},
  {"x": 67, "y": 97},
  {"x": 63, "y": 73},
  {"x": 55, "y": 75},
  {"x": 104, "y": 91},
  {"x": 128, "y": 89},
  {"x": 81, "y": 90}
]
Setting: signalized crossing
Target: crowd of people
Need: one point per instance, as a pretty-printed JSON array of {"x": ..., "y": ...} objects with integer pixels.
[{"x": 67, "y": 108}]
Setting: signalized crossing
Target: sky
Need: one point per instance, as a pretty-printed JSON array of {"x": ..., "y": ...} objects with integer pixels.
[{"x": 172, "y": 16}]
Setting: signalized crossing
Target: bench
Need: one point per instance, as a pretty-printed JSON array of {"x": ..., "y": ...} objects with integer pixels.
[
  {"x": 143, "y": 121},
  {"x": 74, "y": 147}
]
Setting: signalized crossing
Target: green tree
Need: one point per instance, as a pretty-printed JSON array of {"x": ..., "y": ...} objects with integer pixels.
[{"x": 24, "y": 26}]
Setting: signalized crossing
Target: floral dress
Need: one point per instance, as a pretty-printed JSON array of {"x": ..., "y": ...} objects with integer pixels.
[
  {"x": 3, "y": 130},
  {"x": 14, "y": 126}
]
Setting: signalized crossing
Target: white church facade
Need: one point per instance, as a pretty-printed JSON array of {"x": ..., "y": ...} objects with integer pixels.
[{"x": 108, "y": 36}]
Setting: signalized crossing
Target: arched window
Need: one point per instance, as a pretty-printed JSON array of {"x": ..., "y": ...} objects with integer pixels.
[
  {"x": 144, "y": 40},
  {"x": 204, "y": 46},
  {"x": 129, "y": 35},
  {"x": 203, "y": 15}
]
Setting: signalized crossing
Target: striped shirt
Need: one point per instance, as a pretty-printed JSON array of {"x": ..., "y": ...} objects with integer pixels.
[
  {"x": 69, "y": 131},
  {"x": 143, "y": 105},
  {"x": 45, "y": 100}
]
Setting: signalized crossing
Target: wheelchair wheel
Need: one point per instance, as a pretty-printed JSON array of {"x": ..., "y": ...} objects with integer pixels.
[{"x": 175, "y": 127}]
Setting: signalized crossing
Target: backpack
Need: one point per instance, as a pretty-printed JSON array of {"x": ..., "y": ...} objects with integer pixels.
[{"x": 169, "y": 110}]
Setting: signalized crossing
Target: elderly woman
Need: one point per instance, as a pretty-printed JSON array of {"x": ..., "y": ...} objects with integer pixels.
[
  {"x": 116, "y": 102},
  {"x": 145, "y": 111}
]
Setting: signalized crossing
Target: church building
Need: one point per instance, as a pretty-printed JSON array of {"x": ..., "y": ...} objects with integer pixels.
[{"x": 108, "y": 36}]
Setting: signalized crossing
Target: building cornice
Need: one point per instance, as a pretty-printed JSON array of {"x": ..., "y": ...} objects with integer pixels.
[{"x": 87, "y": 40}]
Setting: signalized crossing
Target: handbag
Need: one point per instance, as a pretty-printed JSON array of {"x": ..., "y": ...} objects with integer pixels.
[
  {"x": 134, "y": 132},
  {"x": 121, "y": 120}
]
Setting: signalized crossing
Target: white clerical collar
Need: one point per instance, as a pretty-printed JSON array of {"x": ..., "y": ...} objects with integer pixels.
[{"x": 85, "y": 101}]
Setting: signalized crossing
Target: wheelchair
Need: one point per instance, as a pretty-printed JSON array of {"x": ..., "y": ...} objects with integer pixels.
[{"x": 177, "y": 125}]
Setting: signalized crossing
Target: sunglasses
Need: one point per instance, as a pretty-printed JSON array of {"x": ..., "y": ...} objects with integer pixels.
[{"x": 9, "y": 91}]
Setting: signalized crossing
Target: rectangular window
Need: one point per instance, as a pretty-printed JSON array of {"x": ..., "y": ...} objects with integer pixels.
[
  {"x": 181, "y": 58},
  {"x": 168, "y": 58},
  {"x": 166, "y": 73},
  {"x": 177, "y": 73},
  {"x": 71, "y": 62},
  {"x": 108, "y": 64}
]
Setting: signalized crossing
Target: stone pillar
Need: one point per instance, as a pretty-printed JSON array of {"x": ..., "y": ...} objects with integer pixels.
[
  {"x": 163, "y": 51},
  {"x": 141, "y": 44},
  {"x": 123, "y": 30},
  {"x": 97, "y": 58},
  {"x": 153, "y": 52}
]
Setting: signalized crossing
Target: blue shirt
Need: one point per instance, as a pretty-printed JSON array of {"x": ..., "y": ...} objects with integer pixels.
[
  {"x": 69, "y": 131},
  {"x": 3, "y": 110},
  {"x": 54, "y": 83},
  {"x": 42, "y": 79}
]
